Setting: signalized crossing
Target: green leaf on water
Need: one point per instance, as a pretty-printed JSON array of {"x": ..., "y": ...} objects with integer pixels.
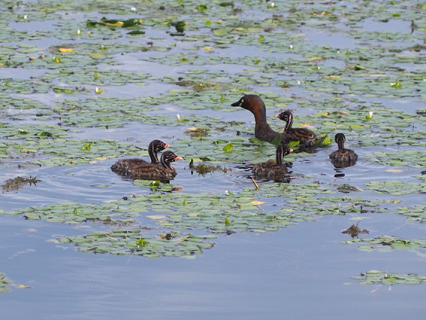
[
  {"x": 202, "y": 7},
  {"x": 324, "y": 141},
  {"x": 86, "y": 146},
  {"x": 381, "y": 277},
  {"x": 4, "y": 282},
  {"x": 141, "y": 243},
  {"x": 414, "y": 213},
  {"x": 228, "y": 147},
  {"x": 179, "y": 25},
  {"x": 136, "y": 32},
  {"x": 277, "y": 141},
  {"x": 396, "y": 187},
  {"x": 396, "y": 85},
  {"x": 293, "y": 144},
  {"x": 129, "y": 241}
]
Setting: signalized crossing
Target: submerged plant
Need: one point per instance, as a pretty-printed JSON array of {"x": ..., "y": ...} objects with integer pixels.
[
  {"x": 18, "y": 183},
  {"x": 354, "y": 230}
]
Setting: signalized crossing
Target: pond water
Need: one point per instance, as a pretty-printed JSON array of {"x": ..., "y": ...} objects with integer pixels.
[{"x": 268, "y": 252}]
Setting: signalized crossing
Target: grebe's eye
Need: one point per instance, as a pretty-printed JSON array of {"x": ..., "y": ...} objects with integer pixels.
[{"x": 242, "y": 100}]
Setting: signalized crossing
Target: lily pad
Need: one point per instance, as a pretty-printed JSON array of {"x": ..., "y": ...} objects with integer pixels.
[
  {"x": 414, "y": 213},
  {"x": 385, "y": 243},
  {"x": 415, "y": 159},
  {"x": 74, "y": 213},
  {"x": 133, "y": 241},
  {"x": 94, "y": 76},
  {"x": 381, "y": 277},
  {"x": 397, "y": 187}
]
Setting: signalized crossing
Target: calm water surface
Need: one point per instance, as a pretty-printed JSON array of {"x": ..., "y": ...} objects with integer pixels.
[{"x": 300, "y": 272}]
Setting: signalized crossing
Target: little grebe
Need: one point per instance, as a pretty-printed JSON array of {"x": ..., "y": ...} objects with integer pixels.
[
  {"x": 262, "y": 130},
  {"x": 273, "y": 170},
  {"x": 342, "y": 157},
  {"x": 133, "y": 169},
  {"x": 154, "y": 147},
  {"x": 306, "y": 137}
]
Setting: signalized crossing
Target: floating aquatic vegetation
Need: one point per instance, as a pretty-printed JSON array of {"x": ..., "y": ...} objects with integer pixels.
[
  {"x": 99, "y": 49},
  {"x": 385, "y": 36},
  {"x": 24, "y": 86},
  {"x": 386, "y": 243},
  {"x": 243, "y": 210},
  {"x": 53, "y": 141},
  {"x": 381, "y": 277},
  {"x": 415, "y": 159},
  {"x": 292, "y": 190},
  {"x": 329, "y": 76},
  {"x": 197, "y": 132},
  {"x": 244, "y": 213},
  {"x": 19, "y": 50},
  {"x": 355, "y": 231},
  {"x": 220, "y": 214},
  {"x": 60, "y": 61},
  {"x": 128, "y": 23},
  {"x": 62, "y": 151},
  {"x": 74, "y": 213},
  {"x": 104, "y": 111},
  {"x": 346, "y": 188},
  {"x": 70, "y": 90},
  {"x": 396, "y": 187},
  {"x": 65, "y": 33},
  {"x": 4, "y": 282},
  {"x": 33, "y": 133},
  {"x": 116, "y": 112},
  {"x": 414, "y": 213},
  {"x": 19, "y": 108},
  {"x": 11, "y": 35},
  {"x": 157, "y": 185},
  {"x": 18, "y": 183},
  {"x": 133, "y": 241},
  {"x": 236, "y": 149},
  {"x": 335, "y": 205},
  {"x": 203, "y": 168},
  {"x": 94, "y": 76}
]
